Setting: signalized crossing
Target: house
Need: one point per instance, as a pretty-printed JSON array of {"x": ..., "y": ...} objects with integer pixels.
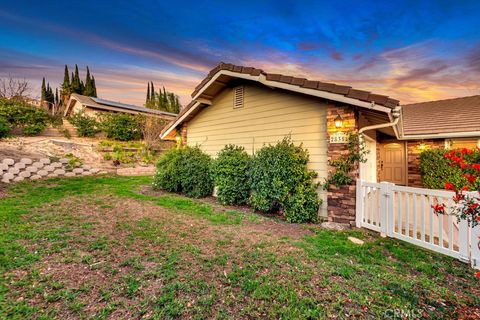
[
  {"x": 249, "y": 107},
  {"x": 450, "y": 123},
  {"x": 94, "y": 106}
]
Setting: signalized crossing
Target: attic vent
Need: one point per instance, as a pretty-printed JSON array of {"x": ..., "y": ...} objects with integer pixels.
[{"x": 238, "y": 97}]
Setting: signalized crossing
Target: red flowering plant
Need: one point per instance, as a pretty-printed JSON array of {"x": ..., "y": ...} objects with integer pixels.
[{"x": 467, "y": 198}]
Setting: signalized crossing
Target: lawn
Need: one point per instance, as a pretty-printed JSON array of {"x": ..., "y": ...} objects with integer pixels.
[{"x": 110, "y": 248}]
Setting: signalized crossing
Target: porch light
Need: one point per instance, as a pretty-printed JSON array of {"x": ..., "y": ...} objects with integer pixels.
[
  {"x": 422, "y": 146},
  {"x": 338, "y": 121}
]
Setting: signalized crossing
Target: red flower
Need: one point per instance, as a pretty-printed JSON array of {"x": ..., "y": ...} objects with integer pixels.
[
  {"x": 475, "y": 166},
  {"x": 439, "y": 208},
  {"x": 465, "y": 188},
  {"x": 449, "y": 186},
  {"x": 470, "y": 177},
  {"x": 477, "y": 275}
]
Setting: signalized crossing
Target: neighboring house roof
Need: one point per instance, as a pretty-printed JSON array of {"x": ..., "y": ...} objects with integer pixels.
[
  {"x": 442, "y": 117},
  {"x": 108, "y": 105},
  {"x": 218, "y": 77}
]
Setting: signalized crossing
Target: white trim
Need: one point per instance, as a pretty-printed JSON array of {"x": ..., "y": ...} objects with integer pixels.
[
  {"x": 441, "y": 135},
  {"x": 380, "y": 126},
  {"x": 179, "y": 120}
]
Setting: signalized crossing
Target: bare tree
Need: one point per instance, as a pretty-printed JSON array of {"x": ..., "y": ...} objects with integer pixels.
[
  {"x": 13, "y": 88},
  {"x": 151, "y": 128}
]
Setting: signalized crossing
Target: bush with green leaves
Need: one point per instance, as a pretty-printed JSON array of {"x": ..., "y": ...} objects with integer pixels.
[
  {"x": 230, "y": 173},
  {"x": 185, "y": 170},
  {"x": 195, "y": 174},
  {"x": 121, "y": 126},
  {"x": 281, "y": 181},
  {"x": 86, "y": 125},
  {"x": 4, "y": 128},
  {"x": 167, "y": 176},
  {"x": 436, "y": 170},
  {"x": 19, "y": 114},
  {"x": 302, "y": 205}
]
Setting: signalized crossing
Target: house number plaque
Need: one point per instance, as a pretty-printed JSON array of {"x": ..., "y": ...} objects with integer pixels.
[{"x": 339, "y": 137}]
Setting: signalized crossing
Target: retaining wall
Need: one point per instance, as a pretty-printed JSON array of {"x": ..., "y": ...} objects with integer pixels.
[{"x": 30, "y": 169}]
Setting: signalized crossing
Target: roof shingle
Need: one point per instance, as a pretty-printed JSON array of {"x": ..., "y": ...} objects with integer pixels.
[
  {"x": 442, "y": 116},
  {"x": 302, "y": 82}
]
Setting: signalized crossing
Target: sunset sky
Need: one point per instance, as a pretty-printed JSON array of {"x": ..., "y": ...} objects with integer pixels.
[{"x": 411, "y": 50}]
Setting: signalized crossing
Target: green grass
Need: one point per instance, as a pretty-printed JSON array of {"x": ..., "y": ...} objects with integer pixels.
[{"x": 80, "y": 248}]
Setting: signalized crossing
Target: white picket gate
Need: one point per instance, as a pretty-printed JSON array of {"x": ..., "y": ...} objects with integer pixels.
[{"x": 406, "y": 213}]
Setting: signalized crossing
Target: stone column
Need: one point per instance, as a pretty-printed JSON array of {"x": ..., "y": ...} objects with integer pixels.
[{"x": 341, "y": 201}]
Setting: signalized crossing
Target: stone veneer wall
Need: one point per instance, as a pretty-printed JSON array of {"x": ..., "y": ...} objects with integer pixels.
[
  {"x": 341, "y": 201},
  {"x": 29, "y": 169},
  {"x": 414, "y": 178}
]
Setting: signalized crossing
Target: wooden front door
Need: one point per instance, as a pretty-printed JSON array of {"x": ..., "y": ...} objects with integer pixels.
[{"x": 393, "y": 163}]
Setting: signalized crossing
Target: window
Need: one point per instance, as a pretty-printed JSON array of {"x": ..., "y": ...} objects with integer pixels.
[
  {"x": 462, "y": 143},
  {"x": 238, "y": 94}
]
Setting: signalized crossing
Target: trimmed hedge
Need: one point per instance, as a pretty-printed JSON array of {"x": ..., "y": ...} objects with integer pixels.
[
  {"x": 436, "y": 170},
  {"x": 19, "y": 114},
  {"x": 280, "y": 181},
  {"x": 185, "y": 170},
  {"x": 230, "y": 174},
  {"x": 121, "y": 126}
]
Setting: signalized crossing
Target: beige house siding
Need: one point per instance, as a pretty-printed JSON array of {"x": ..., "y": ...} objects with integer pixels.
[{"x": 267, "y": 116}]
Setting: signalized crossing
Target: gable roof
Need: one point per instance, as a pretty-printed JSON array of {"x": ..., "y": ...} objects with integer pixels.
[
  {"x": 219, "y": 76},
  {"x": 458, "y": 115},
  {"x": 346, "y": 91},
  {"x": 108, "y": 105}
]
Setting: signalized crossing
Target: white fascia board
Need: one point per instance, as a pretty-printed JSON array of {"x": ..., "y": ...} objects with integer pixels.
[
  {"x": 179, "y": 120},
  {"x": 472, "y": 134}
]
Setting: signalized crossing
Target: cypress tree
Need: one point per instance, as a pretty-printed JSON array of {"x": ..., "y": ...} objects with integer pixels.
[
  {"x": 94, "y": 88},
  {"x": 66, "y": 81},
  {"x": 57, "y": 101},
  {"x": 88, "y": 90},
  {"x": 49, "y": 96},
  {"x": 44, "y": 90},
  {"x": 158, "y": 102},
  {"x": 147, "y": 99},
  {"x": 152, "y": 96},
  {"x": 76, "y": 84},
  {"x": 164, "y": 100}
]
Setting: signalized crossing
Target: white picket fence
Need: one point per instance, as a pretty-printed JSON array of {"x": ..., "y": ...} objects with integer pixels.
[{"x": 406, "y": 213}]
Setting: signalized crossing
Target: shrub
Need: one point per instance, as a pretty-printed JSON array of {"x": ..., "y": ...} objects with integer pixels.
[
  {"x": 280, "y": 180},
  {"x": 184, "y": 170},
  {"x": 167, "y": 176},
  {"x": 30, "y": 119},
  {"x": 121, "y": 126},
  {"x": 302, "y": 205},
  {"x": 195, "y": 173},
  {"x": 230, "y": 174},
  {"x": 86, "y": 126},
  {"x": 436, "y": 170},
  {"x": 4, "y": 128}
]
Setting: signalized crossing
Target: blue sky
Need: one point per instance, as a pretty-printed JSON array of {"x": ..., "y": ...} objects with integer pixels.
[{"x": 410, "y": 50}]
